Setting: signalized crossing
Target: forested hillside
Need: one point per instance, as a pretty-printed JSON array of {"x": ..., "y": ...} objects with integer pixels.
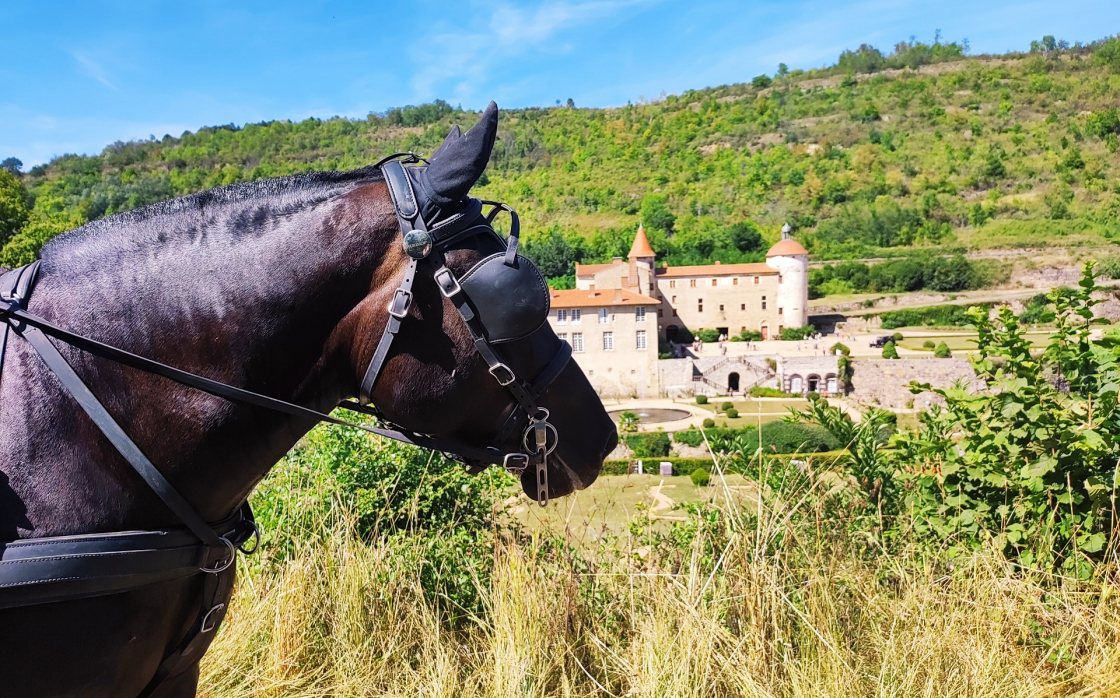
[{"x": 923, "y": 146}]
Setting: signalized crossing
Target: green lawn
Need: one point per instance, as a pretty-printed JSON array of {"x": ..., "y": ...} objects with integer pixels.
[
  {"x": 751, "y": 412},
  {"x": 607, "y": 506},
  {"x": 964, "y": 341}
]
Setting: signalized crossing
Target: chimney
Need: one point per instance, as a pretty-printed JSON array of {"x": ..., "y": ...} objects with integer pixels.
[{"x": 633, "y": 280}]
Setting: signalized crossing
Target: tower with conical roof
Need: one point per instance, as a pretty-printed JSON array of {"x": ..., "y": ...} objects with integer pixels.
[
  {"x": 641, "y": 256},
  {"x": 792, "y": 260}
]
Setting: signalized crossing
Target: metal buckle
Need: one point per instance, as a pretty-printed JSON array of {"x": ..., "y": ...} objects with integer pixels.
[
  {"x": 405, "y": 299},
  {"x": 515, "y": 469},
  {"x": 224, "y": 565},
  {"x": 446, "y": 289},
  {"x": 510, "y": 375},
  {"x": 208, "y": 622}
]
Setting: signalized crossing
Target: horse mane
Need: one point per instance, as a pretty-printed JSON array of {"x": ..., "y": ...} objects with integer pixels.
[{"x": 282, "y": 196}]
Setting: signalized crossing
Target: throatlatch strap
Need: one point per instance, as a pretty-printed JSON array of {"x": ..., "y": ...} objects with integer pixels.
[
  {"x": 108, "y": 426},
  {"x": 398, "y": 310}
]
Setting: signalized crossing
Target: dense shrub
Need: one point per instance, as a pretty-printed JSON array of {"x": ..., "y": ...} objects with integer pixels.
[
  {"x": 841, "y": 349},
  {"x": 732, "y": 413},
  {"x": 889, "y": 351},
  {"x": 701, "y": 477},
  {"x": 928, "y": 344},
  {"x": 709, "y": 423},
  {"x": 701, "y": 399},
  {"x": 897, "y": 337},
  {"x": 759, "y": 391},
  {"x": 725, "y": 406},
  {"x": 797, "y": 334},
  {"x": 942, "y": 351},
  {"x": 649, "y": 445},
  {"x": 708, "y": 336}
]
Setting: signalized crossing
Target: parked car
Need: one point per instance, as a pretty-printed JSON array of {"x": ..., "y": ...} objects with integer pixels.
[{"x": 880, "y": 342}]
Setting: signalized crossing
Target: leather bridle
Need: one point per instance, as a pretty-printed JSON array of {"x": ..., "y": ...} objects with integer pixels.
[{"x": 48, "y": 569}]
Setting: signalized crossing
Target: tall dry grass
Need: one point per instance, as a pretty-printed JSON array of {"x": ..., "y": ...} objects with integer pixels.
[{"x": 746, "y": 606}]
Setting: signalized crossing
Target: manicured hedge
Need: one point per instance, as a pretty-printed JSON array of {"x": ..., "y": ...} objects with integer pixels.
[
  {"x": 777, "y": 437},
  {"x": 685, "y": 466}
]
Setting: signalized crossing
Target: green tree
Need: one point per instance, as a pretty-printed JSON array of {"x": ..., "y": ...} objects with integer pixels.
[
  {"x": 942, "y": 351},
  {"x": 745, "y": 236},
  {"x": 889, "y": 351},
  {"x": 13, "y": 205},
  {"x": 13, "y": 165},
  {"x": 656, "y": 214}
]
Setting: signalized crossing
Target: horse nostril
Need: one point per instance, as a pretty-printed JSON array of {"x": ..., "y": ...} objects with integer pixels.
[{"x": 612, "y": 442}]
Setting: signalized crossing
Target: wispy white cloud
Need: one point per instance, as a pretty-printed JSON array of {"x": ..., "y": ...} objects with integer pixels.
[
  {"x": 462, "y": 58},
  {"x": 93, "y": 69}
]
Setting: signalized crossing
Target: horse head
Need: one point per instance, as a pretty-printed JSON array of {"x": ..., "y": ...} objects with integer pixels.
[{"x": 434, "y": 381}]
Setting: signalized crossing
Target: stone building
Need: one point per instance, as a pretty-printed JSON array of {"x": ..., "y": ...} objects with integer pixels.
[
  {"x": 730, "y": 298},
  {"x": 613, "y": 334}
]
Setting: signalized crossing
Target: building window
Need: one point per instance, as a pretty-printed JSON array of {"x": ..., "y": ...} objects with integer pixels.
[
  {"x": 721, "y": 307},
  {"x": 692, "y": 283},
  {"x": 641, "y": 339},
  {"x": 577, "y": 314},
  {"x": 563, "y": 336},
  {"x": 756, "y": 281},
  {"x": 603, "y": 316},
  {"x": 764, "y": 302},
  {"x": 700, "y": 305},
  {"x": 672, "y": 283},
  {"x": 577, "y": 342},
  {"x": 674, "y": 299},
  {"x": 735, "y": 281},
  {"x": 561, "y": 317},
  {"x": 659, "y": 312},
  {"x": 640, "y": 314},
  {"x": 715, "y": 281},
  {"x": 742, "y": 306},
  {"x": 608, "y": 341},
  {"x": 780, "y": 311}
]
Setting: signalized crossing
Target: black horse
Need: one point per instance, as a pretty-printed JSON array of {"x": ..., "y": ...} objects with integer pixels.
[{"x": 280, "y": 287}]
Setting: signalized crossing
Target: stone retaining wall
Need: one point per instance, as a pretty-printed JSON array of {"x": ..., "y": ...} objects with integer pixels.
[{"x": 884, "y": 382}]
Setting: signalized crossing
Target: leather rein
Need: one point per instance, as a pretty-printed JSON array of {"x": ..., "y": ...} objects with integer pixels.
[{"x": 42, "y": 570}]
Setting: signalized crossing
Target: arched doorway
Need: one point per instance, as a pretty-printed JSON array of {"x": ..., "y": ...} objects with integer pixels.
[
  {"x": 765, "y": 330},
  {"x": 814, "y": 383},
  {"x": 671, "y": 333},
  {"x": 732, "y": 382},
  {"x": 796, "y": 385}
]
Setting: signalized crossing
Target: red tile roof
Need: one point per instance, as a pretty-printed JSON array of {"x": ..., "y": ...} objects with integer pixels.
[
  {"x": 641, "y": 247},
  {"x": 602, "y": 298},
  {"x": 719, "y": 270}
]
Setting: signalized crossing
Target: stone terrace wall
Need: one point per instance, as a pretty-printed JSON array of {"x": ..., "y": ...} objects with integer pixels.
[{"x": 884, "y": 382}]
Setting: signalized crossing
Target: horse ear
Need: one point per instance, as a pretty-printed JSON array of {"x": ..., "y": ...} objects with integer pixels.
[
  {"x": 459, "y": 162},
  {"x": 451, "y": 138}
]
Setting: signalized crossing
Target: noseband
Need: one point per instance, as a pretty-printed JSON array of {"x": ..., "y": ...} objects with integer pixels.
[{"x": 508, "y": 275}]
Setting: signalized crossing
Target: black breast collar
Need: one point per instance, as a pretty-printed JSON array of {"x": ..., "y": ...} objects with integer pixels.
[{"x": 41, "y": 570}]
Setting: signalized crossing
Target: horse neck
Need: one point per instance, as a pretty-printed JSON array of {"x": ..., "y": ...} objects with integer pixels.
[{"x": 263, "y": 309}]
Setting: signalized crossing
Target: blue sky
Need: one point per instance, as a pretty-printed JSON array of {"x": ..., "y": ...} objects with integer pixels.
[{"x": 75, "y": 77}]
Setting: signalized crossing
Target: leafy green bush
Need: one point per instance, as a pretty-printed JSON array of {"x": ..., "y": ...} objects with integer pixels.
[
  {"x": 701, "y": 399},
  {"x": 897, "y": 337},
  {"x": 1029, "y": 463},
  {"x": 725, "y": 406},
  {"x": 709, "y": 423},
  {"x": 651, "y": 444},
  {"x": 700, "y": 477},
  {"x": 889, "y": 351},
  {"x": 777, "y": 437},
  {"x": 708, "y": 336},
  {"x": 732, "y": 413},
  {"x": 943, "y": 351},
  {"x": 797, "y": 334},
  {"x": 928, "y": 344},
  {"x": 748, "y": 336},
  {"x": 841, "y": 349}
]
